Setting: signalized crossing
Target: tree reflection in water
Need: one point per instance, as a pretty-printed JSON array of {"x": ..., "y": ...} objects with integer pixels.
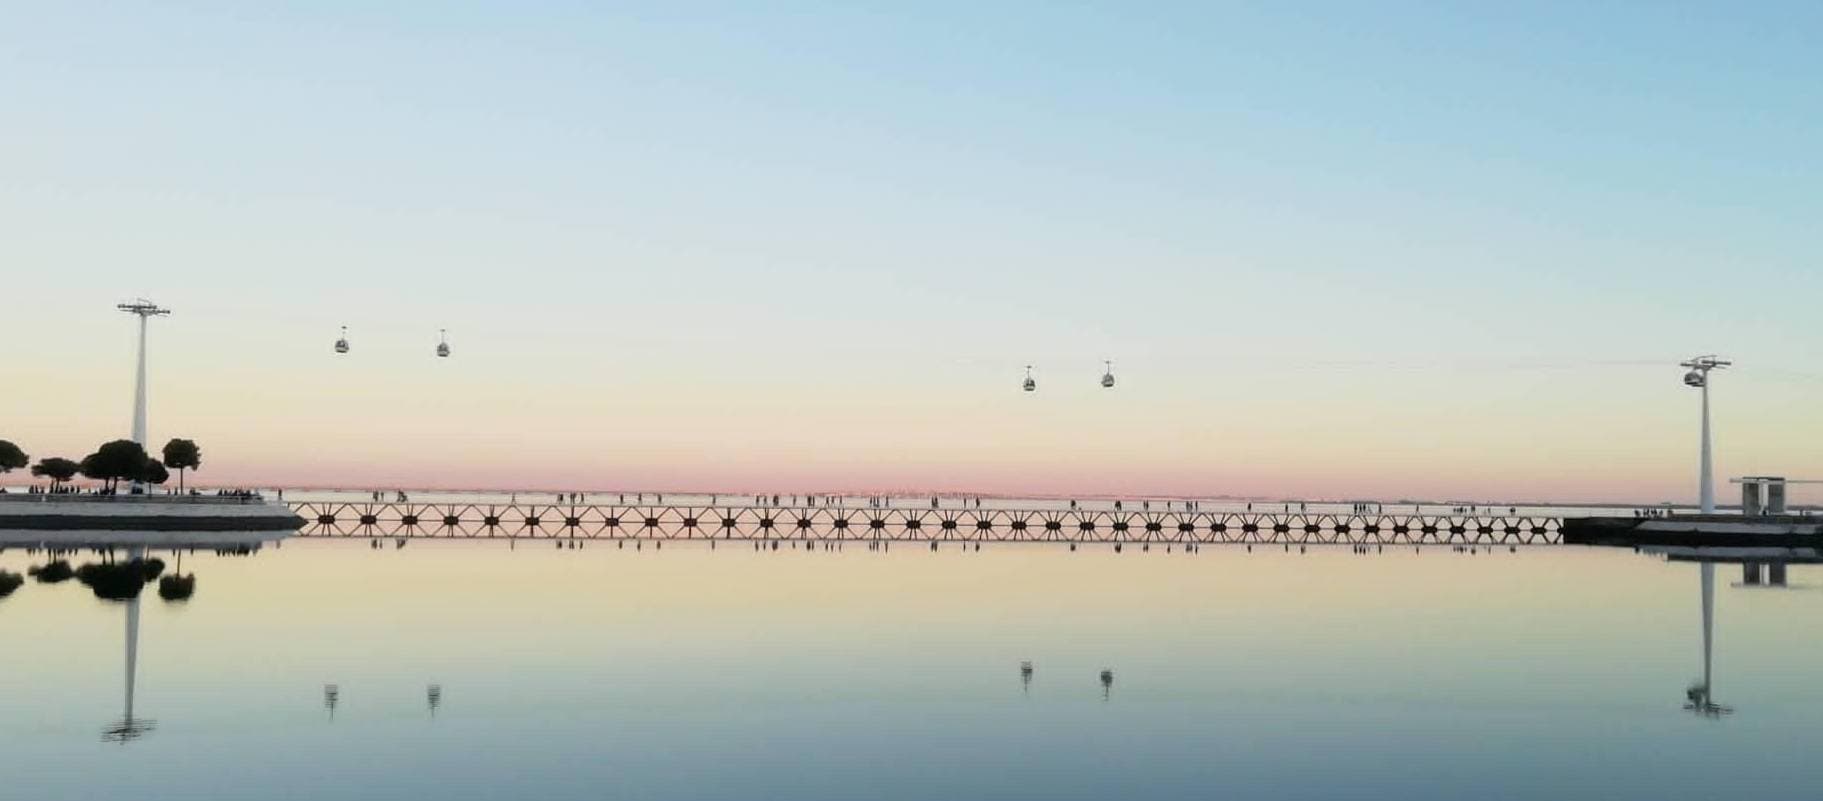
[{"x": 122, "y": 580}]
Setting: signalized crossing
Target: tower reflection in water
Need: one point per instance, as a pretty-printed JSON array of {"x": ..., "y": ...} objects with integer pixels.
[
  {"x": 130, "y": 728},
  {"x": 1699, "y": 697},
  {"x": 110, "y": 581},
  {"x": 1760, "y": 568},
  {"x": 331, "y": 695},
  {"x": 176, "y": 587},
  {"x": 123, "y": 581}
]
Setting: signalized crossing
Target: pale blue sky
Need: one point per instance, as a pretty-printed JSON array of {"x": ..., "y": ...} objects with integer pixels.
[{"x": 1210, "y": 194}]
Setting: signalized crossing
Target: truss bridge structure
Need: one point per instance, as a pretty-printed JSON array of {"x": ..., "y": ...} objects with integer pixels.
[{"x": 558, "y": 521}]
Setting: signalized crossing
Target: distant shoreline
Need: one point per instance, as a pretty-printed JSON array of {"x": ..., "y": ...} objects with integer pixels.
[{"x": 914, "y": 496}]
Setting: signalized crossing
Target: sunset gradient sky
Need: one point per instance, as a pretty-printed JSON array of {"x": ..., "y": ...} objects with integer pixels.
[{"x": 1342, "y": 250}]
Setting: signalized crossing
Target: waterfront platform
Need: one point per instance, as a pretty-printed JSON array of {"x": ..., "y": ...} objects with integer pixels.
[
  {"x": 1696, "y": 531},
  {"x": 144, "y": 513}
]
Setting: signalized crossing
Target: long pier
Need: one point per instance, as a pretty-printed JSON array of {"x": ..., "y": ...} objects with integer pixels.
[{"x": 560, "y": 521}]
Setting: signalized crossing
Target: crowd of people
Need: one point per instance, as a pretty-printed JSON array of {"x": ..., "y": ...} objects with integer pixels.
[
  {"x": 166, "y": 492},
  {"x": 51, "y": 489}
]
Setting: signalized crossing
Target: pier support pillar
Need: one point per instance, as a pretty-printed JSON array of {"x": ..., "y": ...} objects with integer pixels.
[{"x": 1750, "y": 498}]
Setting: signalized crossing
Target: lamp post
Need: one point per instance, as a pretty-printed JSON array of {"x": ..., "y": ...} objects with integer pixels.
[{"x": 1698, "y": 377}]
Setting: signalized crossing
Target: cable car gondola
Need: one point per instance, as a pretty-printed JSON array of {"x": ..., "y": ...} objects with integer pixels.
[
  {"x": 1030, "y": 385},
  {"x": 1107, "y": 378},
  {"x": 341, "y": 345},
  {"x": 442, "y": 343}
]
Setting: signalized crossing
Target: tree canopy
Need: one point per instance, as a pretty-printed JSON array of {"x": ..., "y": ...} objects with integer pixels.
[
  {"x": 113, "y": 461},
  {"x": 181, "y": 455},
  {"x": 11, "y": 458},
  {"x": 154, "y": 472},
  {"x": 57, "y": 469}
]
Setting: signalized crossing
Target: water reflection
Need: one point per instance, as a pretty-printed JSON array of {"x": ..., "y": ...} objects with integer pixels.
[
  {"x": 1760, "y": 568},
  {"x": 177, "y": 587},
  {"x": 123, "y": 580},
  {"x": 130, "y": 728},
  {"x": 55, "y": 571},
  {"x": 1700, "y": 697},
  {"x": 1312, "y": 677},
  {"x": 120, "y": 581}
]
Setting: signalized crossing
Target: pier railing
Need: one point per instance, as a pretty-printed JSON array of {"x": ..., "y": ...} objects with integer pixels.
[{"x": 812, "y": 523}]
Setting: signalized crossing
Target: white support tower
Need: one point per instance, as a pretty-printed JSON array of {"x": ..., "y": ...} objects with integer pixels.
[
  {"x": 145, "y": 309},
  {"x": 1699, "y": 377}
]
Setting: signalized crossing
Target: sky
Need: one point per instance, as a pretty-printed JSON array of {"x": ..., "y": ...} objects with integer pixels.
[{"x": 1333, "y": 250}]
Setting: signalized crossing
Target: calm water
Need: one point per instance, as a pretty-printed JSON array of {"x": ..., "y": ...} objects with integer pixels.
[{"x": 692, "y": 674}]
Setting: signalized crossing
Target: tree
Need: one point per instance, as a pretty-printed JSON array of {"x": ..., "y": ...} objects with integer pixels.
[
  {"x": 57, "y": 469},
  {"x": 181, "y": 455},
  {"x": 92, "y": 469},
  {"x": 153, "y": 472},
  {"x": 11, "y": 458},
  {"x": 113, "y": 461}
]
